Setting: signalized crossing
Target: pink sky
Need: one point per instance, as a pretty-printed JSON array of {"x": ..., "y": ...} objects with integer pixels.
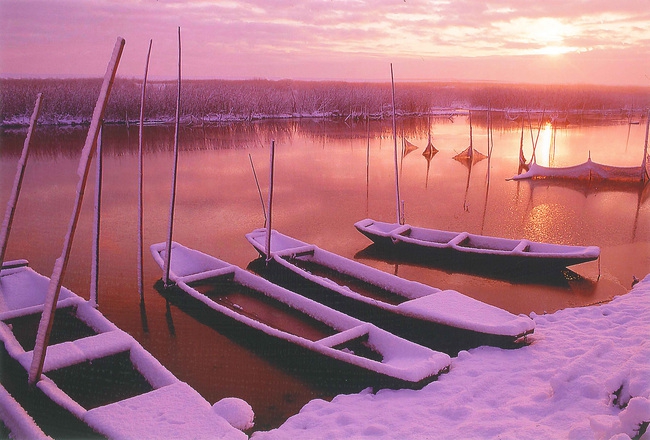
[{"x": 550, "y": 41}]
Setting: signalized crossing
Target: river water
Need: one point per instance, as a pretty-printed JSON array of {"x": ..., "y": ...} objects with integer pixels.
[{"x": 328, "y": 175}]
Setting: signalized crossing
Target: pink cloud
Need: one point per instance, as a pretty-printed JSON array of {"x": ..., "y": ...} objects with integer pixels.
[{"x": 604, "y": 41}]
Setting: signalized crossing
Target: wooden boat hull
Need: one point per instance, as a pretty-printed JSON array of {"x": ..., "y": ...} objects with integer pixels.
[
  {"x": 277, "y": 313},
  {"x": 88, "y": 360},
  {"x": 485, "y": 252},
  {"x": 386, "y": 299}
]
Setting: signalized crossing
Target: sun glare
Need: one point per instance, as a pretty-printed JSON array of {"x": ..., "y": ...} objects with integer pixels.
[
  {"x": 543, "y": 149},
  {"x": 542, "y": 36},
  {"x": 557, "y": 50}
]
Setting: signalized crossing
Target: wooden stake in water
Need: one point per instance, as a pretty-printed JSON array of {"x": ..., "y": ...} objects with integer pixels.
[
  {"x": 270, "y": 204},
  {"x": 54, "y": 288},
  {"x": 18, "y": 180},
  {"x": 471, "y": 140},
  {"x": 397, "y": 197},
  {"x": 644, "y": 163},
  {"x": 140, "y": 180},
  {"x": 175, "y": 170},
  {"x": 259, "y": 190},
  {"x": 94, "y": 271}
]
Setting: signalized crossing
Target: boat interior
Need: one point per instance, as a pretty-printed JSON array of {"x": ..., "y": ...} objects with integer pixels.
[
  {"x": 261, "y": 308},
  {"x": 257, "y": 305},
  {"x": 355, "y": 284}
]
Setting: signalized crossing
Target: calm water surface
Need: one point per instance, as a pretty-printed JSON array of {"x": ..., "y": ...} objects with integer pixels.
[{"x": 328, "y": 176}]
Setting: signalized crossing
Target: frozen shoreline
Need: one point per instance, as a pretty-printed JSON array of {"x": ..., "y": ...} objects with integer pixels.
[
  {"x": 513, "y": 114},
  {"x": 585, "y": 375}
]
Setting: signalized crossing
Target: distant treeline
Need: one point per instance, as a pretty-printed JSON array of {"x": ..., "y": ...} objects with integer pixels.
[{"x": 71, "y": 101}]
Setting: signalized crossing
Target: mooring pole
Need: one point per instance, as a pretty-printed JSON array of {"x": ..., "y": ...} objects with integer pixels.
[
  {"x": 259, "y": 190},
  {"x": 270, "y": 204},
  {"x": 175, "y": 170},
  {"x": 644, "y": 163},
  {"x": 54, "y": 288},
  {"x": 18, "y": 180},
  {"x": 397, "y": 197},
  {"x": 94, "y": 271},
  {"x": 140, "y": 180}
]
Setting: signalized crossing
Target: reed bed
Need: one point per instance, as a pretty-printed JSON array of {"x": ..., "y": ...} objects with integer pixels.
[{"x": 70, "y": 101}]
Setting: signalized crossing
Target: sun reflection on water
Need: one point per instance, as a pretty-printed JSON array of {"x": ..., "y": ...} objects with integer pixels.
[
  {"x": 543, "y": 149},
  {"x": 544, "y": 221}
]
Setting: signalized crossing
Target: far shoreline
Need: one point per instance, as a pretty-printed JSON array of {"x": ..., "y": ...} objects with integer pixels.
[{"x": 69, "y": 102}]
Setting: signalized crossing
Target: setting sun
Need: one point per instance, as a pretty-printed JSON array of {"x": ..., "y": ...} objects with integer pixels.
[
  {"x": 545, "y": 36},
  {"x": 595, "y": 43},
  {"x": 557, "y": 50}
]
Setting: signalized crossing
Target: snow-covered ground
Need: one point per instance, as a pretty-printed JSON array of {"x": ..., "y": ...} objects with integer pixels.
[{"x": 585, "y": 375}]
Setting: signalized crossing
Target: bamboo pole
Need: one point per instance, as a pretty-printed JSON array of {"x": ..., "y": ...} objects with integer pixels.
[
  {"x": 18, "y": 180},
  {"x": 397, "y": 197},
  {"x": 270, "y": 204},
  {"x": 140, "y": 180},
  {"x": 644, "y": 163},
  {"x": 54, "y": 288},
  {"x": 470, "y": 149},
  {"x": 522, "y": 158},
  {"x": 539, "y": 130},
  {"x": 259, "y": 190},
  {"x": 175, "y": 170},
  {"x": 489, "y": 133},
  {"x": 94, "y": 271},
  {"x": 367, "y": 163}
]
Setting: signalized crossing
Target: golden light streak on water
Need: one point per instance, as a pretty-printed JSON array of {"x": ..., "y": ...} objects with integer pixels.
[
  {"x": 544, "y": 221},
  {"x": 543, "y": 150}
]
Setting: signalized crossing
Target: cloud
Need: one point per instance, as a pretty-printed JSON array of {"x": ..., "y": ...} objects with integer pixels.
[{"x": 271, "y": 38}]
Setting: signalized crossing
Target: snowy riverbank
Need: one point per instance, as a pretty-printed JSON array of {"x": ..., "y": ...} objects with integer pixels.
[{"x": 586, "y": 374}]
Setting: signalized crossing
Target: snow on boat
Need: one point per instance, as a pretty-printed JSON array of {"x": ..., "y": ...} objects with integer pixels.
[
  {"x": 433, "y": 317},
  {"x": 16, "y": 420},
  {"x": 483, "y": 250},
  {"x": 287, "y": 316},
  {"x": 95, "y": 371}
]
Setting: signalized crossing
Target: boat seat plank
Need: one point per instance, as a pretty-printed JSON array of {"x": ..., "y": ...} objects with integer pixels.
[
  {"x": 301, "y": 251},
  {"x": 459, "y": 238},
  {"x": 208, "y": 274},
  {"x": 344, "y": 336},
  {"x": 523, "y": 246},
  {"x": 49, "y": 388},
  {"x": 74, "y": 352},
  {"x": 62, "y": 303}
]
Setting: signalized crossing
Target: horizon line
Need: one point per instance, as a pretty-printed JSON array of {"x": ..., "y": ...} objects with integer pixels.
[{"x": 163, "y": 78}]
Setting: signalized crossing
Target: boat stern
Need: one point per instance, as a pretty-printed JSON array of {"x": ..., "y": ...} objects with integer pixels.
[{"x": 280, "y": 243}]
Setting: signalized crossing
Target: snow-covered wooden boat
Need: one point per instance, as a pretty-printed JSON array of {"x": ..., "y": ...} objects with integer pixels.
[
  {"x": 17, "y": 422},
  {"x": 430, "y": 316},
  {"x": 93, "y": 370},
  {"x": 485, "y": 251},
  {"x": 286, "y": 316},
  {"x": 79, "y": 374}
]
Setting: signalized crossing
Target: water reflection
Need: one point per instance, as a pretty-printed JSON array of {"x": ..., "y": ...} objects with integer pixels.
[
  {"x": 329, "y": 174},
  {"x": 564, "y": 279}
]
